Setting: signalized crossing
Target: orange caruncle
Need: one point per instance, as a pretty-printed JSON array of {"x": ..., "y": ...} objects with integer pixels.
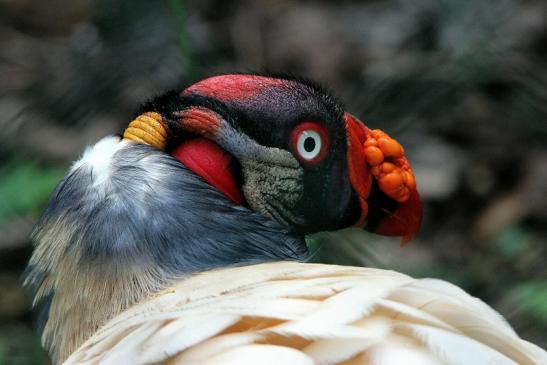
[{"x": 389, "y": 166}]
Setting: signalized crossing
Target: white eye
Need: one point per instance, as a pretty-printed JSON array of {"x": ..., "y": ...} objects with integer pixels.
[{"x": 309, "y": 144}]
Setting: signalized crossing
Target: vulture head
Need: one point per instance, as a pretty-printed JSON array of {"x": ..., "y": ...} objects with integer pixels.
[{"x": 233, "y": 170}]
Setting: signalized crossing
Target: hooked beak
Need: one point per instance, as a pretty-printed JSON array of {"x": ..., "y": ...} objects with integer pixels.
[{"x": 383, "y": 180}]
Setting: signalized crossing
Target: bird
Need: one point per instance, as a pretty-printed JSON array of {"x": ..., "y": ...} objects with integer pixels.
[{"x": 183, "y": 241}]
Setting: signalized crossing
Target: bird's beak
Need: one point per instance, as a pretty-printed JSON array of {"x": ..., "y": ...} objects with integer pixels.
[{"x": 383, "y": 180}]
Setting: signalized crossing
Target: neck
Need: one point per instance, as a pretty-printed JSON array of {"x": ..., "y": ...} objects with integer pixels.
[{"x": 127, "y": 221}]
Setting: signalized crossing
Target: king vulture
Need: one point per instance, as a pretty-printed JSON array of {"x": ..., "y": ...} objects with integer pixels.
[{"x": 183, "y": 242}]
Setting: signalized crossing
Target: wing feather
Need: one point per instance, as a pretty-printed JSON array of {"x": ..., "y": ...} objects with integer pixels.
[
  {"x": 292, "y": 313},
  {"x": 454, "y": 348},
  {"x": 177, "y": 336},
  {"x": 214, "y": 346},
  {"x": 259, "y": 354}
]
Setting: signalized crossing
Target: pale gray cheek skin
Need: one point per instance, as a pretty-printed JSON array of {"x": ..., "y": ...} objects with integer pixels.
[{"x": 273, "y": 189}]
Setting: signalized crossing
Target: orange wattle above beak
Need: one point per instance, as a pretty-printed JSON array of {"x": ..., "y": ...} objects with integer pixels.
[{"x": 383, "y": 180}]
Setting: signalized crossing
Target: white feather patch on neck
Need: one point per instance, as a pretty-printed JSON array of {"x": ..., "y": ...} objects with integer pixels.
[{"x": 99, "y": 158}]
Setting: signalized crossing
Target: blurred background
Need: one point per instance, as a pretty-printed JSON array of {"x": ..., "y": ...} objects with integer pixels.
[{"x": 461, "y": 83}]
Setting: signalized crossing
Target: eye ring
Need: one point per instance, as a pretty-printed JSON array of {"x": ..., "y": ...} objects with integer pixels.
[{"x": 310, "y": 142}]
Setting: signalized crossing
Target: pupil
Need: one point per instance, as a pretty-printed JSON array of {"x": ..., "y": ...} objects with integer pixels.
[{"x": 309, "y": 144}]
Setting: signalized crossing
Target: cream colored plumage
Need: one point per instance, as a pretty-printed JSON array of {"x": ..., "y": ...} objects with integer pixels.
[{"x": 293, "y": 313}]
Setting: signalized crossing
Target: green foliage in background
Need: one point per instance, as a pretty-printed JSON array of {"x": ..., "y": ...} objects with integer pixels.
[
  {"x": 532, "y": 296},
  {"x": 20, "y": 345},
  {"x": 25, "y": 186}
]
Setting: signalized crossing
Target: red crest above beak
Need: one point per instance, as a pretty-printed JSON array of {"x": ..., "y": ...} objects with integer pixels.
[{"x": 374, "y": 158}]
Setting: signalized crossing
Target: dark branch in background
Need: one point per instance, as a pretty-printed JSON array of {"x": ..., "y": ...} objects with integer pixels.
[{"x": 181, "y": 24}]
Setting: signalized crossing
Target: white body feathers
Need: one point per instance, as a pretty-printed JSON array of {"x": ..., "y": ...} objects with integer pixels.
[{"x": 292, "y": 313}]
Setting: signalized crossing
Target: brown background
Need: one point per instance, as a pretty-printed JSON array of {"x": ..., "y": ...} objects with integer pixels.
[{"x": 461, "y": 83}]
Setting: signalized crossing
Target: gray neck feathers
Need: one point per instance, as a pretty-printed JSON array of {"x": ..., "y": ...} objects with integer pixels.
[{"x": 125, "y": 222}]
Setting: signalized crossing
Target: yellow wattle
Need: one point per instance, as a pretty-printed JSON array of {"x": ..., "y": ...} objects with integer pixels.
[{"x": 147, "y": 128}]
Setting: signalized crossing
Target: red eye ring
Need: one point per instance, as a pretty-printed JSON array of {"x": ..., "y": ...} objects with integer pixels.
[{"x": 310, "y": 142}]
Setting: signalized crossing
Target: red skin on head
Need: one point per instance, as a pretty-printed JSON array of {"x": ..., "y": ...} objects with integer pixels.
[
  {"x": 212, "y": 163},
  {"x": 360, "y": 178},
  {"x": 233, "y": 87}
]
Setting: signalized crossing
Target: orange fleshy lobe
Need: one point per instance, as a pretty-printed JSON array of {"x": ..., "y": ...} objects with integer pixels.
[
  {"x": 372, "y": 154},
  {"x": 394, "y": 174}
]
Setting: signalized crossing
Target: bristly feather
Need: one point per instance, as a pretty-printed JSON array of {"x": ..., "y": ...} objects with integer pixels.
[{"x": 144, "y": 219}]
